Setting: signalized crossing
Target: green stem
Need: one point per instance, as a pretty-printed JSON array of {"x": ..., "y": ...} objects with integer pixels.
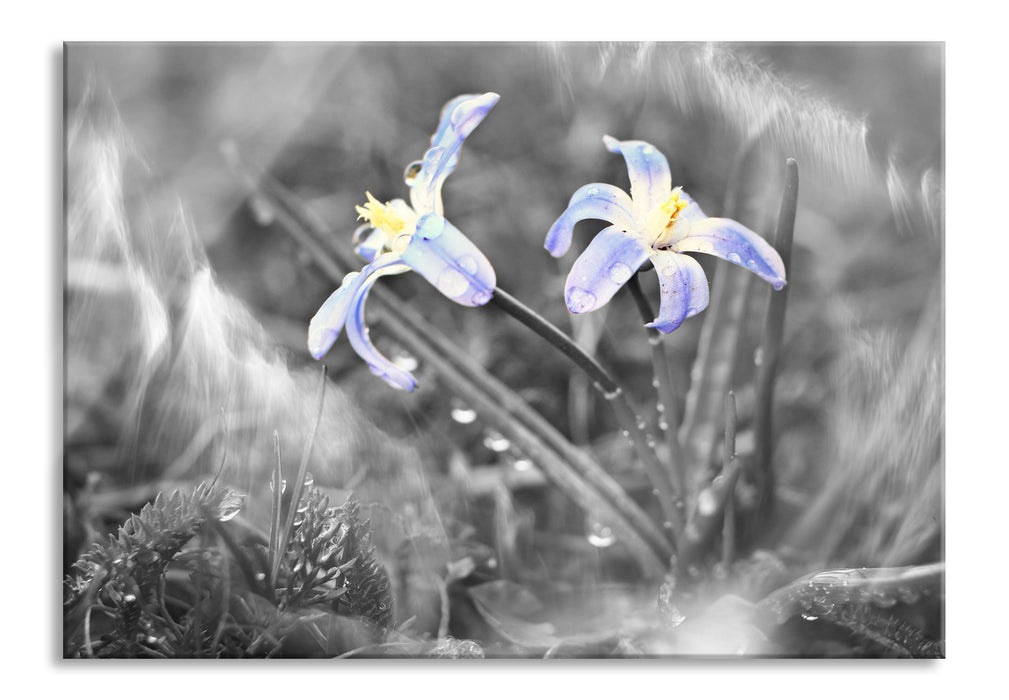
[
  {"x": 571, "y": 469},
  {"x": 611, "y": 390},
  {"x": 666, "y": 387}
]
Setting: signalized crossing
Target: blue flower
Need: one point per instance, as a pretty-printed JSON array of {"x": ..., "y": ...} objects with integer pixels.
[
  {"x": 399, "y": 237},
  {"x": 657, "y": 223}
]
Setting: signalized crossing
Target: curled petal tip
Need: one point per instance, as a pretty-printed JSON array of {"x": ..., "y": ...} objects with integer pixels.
[{"x": 580, "y": 300}]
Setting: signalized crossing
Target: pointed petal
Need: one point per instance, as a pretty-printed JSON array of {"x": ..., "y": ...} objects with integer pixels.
[
  {"x": 458, "y": 120},
  {"x": 368, "y": 242},
  {"x": 602, "y": 269},
  {"x": 325, "y": 326},
  {"x": 684, "y": 289},
  {"x": 592, "y": 201},
  {"x": 730, "y": 240},
  {"x": 357, "y": 331},
  {"x": 443, "y": 255},
  {"x": 651, "y": 182}
]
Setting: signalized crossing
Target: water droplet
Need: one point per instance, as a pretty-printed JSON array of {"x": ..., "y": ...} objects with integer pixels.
[
  {"x": 734, "y": 257},
  {"x": 461, "y": 413},
  {"x": 600, "y": 535},
  {"x": 309, "y": 481},
  {"x": 468, "y": 264},
  {"x": 669, "y": 271},
  {"x": 283, "y": 486},
  {"x": 778, "y": 284},
  {"x": 806, "y": 615},
  {"x": 752, "y": 264},
  {"x": 592, "y": 191},
  {"x": 402, "y": 242},
  {"x": 625, "y": 433},
  {"x": 262, "y": 211},
  {"x": 707, "y": 504},
  {"x": 451, "y": 282},
  {"x": 758, "y": 357},
  {"x": 580, "y": 300},
  {"x": 405, "y": 361},
  {"x": 667, "y": 525},
  {"x": 674, "y": 618},
  {"x": 620, "y": 273},
  {"x": 129, "y": 598},
  {"x": 230, "y": 508},
  {"x": 522, "y": 465},
  {"x": 610, "y": 395},
  {"x": 640, "y": 422},
  {"x": 411, "y": 172},
  {"x": 647, "y": 149},
  {"x": 663, "y": 424},
  {"x": 492, "y": 563},
  {"x": 260, "y": 576},
  {"x": 495, "y": 441},
  {"x": 480, "y": 297}
]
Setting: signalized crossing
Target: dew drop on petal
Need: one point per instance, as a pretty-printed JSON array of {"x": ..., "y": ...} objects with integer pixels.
[
  {"x": 468, "y": 264},
  {"x": 580, "y": 300},
  {"x": 752, "y": 264},
  {"x": 451, "y": 282},
  {"x": 402, "y": 242},
  {"x": 480, "y": 297},
  {"x": 620, "y": 273},
  {"x": 411, "y": 172},
  {"x": 349, "y": 277},
  {"x": 592, "y": 191},
  {"x": 461, "y": 413},
  {"x": 806, "y": 615},
  {"x": 734, "y": 257},
  {"x": 669, "y": 271}
]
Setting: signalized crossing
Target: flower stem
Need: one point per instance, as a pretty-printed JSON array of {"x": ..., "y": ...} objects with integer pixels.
[
  {"x": 611, "y": 390},
  {"x": 667, "y": 394},
  {"x": 572, "y": 470}
]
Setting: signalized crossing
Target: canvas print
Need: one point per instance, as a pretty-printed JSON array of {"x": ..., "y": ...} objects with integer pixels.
[{"x": 503, "y": 350}]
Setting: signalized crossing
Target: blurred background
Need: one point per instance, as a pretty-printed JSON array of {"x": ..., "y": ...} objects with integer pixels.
[{"x": 860, "y": 397}]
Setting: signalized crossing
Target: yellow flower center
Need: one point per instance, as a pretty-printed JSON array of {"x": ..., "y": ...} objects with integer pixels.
[
  {"x": 382, "y": 217},
  {"x": 665, "y": 218}
]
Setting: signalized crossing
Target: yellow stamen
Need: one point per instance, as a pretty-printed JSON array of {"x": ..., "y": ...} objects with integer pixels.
[
  {"x": 667, "y": 219},
  {"x": 382, "y": 217}
]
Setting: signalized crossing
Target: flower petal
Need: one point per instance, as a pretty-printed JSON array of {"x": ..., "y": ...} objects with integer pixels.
[
  {"x": 329, "y": 320},
  {"x": 651, "y": 182},
  {"x": 357, "y": 332},
  {"x": 459, "y": 117},
  {"x": 592, "y": 201},
  {"x": 684, "y": 289},
  {"x": 368, "y": 242},
  {"x": 730, "y": 240},
  {"x": 603, "y": 268},
  {"x": 443, "y": 255}
]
